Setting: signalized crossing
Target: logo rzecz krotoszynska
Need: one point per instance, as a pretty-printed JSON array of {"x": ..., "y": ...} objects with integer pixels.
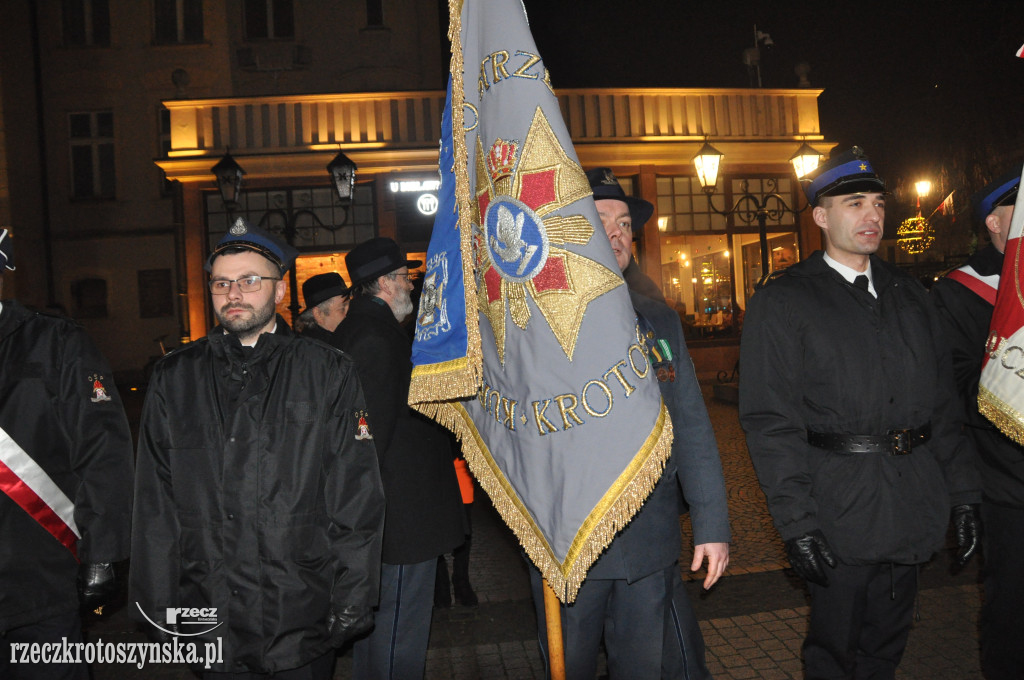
[{"x": 517, "y": 239}]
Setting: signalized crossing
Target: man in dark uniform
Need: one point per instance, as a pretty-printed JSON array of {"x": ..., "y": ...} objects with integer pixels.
[
  {"x": 628, "y": 595},
  {"x": 258, "y": 493},
  {"x": 65, "y": 482},
  {"x": 854, "y": 428},
  {"x": 326, "y": 298},
  {"x": 424, "y": 507},
  {"x": 965, "y": 298}
]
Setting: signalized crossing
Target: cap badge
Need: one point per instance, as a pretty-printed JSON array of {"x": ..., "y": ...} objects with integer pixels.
[{"x": 238, "y": 228}]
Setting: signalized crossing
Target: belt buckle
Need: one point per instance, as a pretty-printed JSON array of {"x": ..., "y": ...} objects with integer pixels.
[{"x": 900, "y": 440}]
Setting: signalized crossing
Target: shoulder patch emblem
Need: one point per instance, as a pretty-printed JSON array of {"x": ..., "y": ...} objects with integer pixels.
[
  {"x": 99, "y": 393},
  {"x": 364, "y": 429}
]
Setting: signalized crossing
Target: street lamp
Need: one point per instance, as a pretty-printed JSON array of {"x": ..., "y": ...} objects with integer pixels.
[
  {"x": 342, "y": 172},
  {"x": 229, "y": 182},
  {"x": 748, "y": 206},
  {"x": 923, "y": 188},
  {"x": 343, "y": 175}
]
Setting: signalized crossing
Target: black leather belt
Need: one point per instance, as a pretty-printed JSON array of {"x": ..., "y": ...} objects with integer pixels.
[{"x": 893, "y": 442}]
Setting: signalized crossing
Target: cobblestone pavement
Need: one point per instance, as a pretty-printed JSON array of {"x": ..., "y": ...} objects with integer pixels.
[{"x": 753, "y": 621}]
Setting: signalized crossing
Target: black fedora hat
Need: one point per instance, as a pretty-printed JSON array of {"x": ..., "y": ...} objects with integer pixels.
[
  {"x": 605, "y": 186},
  {"x": 322, "y": 287},
  {"x": 374, "y": 258}
]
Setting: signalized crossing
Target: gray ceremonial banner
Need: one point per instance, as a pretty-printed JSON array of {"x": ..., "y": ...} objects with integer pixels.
[{"x": 568, "y": 434}]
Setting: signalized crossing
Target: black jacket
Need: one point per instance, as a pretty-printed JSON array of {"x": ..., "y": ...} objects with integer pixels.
[
  {"x": 424, "y": 507},
  {"x": 819, "y": 354},
  {"x": 966, "y": 318},
  {"x": 51, "y": 410},
  {"x": 255, "y": 495}
]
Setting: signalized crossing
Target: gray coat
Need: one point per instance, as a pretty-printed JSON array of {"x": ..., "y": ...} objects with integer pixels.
[{"x": 651, "y": 541}]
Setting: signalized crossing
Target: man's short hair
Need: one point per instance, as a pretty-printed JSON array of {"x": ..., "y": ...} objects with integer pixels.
[
  {"x": 306, "y": 319},
  {"x": 372, "y": 287}
]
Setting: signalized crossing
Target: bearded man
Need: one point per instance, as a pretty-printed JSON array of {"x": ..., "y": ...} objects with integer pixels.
[
  {"x": 424, "y": 507},
  {"x": 258, "y": 497}
]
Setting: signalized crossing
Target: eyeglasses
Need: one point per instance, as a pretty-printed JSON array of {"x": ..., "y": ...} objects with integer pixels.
[{"x": 248, "y": 284}]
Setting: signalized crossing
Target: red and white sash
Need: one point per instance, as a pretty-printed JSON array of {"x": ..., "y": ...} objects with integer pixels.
[
  {"x": 984, "y": 286},
  {"x": 31, "y": 488}
]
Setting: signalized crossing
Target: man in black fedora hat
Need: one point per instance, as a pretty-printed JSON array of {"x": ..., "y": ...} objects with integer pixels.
[
  {"x": 326, "y": 298},
  {"x": 852, "y": 422},
  {"x": 966, "y": 299},
  {"x": 633, "y": 595},
  {"x": 258, "y": 495},
  {"x": 424, "y": 507},
  {"x": 606, "y": 187}
]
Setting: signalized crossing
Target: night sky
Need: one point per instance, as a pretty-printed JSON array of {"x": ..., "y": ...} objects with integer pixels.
[{"x": 925, "y": 87}]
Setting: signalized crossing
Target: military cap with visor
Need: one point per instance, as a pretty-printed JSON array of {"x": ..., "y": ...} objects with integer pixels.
[
  {"x": 1001, "y": 191},
  {"x": 848, "y": 173},
  {"x": 244, "y": 235}
]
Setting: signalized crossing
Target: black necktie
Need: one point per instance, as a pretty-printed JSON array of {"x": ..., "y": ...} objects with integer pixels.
[{"x": 861, "y": 282}]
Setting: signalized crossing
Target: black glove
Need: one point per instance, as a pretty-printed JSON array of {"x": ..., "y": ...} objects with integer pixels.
[
  {"x": 348, "y": 622},
  {"x": 97, "y": 584},
  {"x": 806, "y": 553},
  {"x": 967, "y": 530}
]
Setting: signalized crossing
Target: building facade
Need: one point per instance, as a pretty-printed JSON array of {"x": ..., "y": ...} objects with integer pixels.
[{"x": 113, "y": 113}]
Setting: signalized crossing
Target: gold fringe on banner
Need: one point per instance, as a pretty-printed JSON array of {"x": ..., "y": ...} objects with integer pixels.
[
  {"x": 611, "y": 514},
  {"x": 459, "y": 377},
  {"x": 1009, "y": 420}
]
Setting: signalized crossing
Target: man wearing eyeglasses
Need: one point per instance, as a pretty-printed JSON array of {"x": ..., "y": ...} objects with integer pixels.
[
  {"x": 259, "y": 501},
  {"x": 424, "y": 507}
]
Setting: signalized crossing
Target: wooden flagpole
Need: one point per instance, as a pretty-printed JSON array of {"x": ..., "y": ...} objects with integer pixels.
[{"x": 553, "y": 621}]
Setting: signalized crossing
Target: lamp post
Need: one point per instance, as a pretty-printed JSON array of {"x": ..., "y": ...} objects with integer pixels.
[
  {"x": 750, "y": 207},
  {"x": 342, "y": 172}
]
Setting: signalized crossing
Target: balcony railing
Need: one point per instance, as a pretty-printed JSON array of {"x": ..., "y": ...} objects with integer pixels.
[{"x": 394, "y": 120}]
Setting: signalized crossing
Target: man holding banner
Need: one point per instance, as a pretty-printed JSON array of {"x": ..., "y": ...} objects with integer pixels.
[
  {"x": 527, "y": 345},
  {"x": 966, "y": 298},
  {"x": 854, "y": 429},
  {"x": 635, "y": 579}
]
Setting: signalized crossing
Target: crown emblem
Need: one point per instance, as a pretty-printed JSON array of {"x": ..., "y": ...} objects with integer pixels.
[
  {"x": 238, "y": 228},
  {"x": 501, "y": 159}
]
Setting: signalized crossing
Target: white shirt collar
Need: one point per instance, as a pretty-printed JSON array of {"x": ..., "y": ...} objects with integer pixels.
[{"x": 849, "y": 273}]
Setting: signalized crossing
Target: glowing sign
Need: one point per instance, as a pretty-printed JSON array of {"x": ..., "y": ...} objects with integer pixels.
[
  {"x": 414, "y": 186},
  {"x": 427, "y": 204}
]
